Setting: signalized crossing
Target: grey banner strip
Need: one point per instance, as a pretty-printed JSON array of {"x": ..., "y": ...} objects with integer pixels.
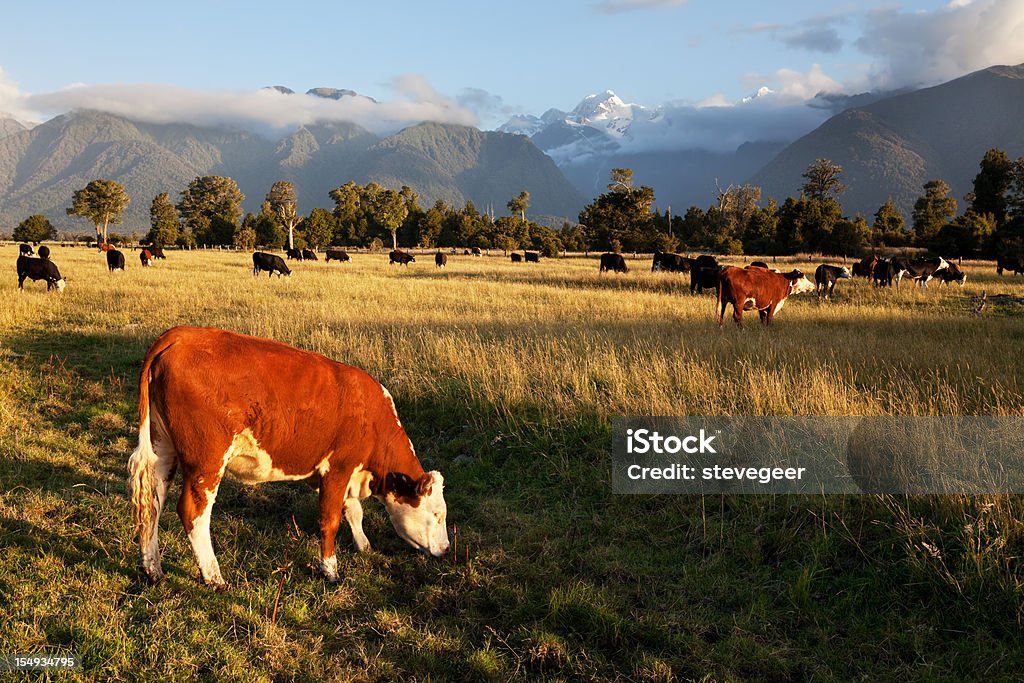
[{"x": 817, "y": 455}]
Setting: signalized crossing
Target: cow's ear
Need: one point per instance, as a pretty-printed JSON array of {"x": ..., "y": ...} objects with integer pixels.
[
  {"x": 400, "y": 484},
  {"x": 425, "y": 484}
]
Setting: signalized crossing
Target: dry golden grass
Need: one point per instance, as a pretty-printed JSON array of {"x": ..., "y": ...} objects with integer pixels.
[
  {"x": 562, "y": 335},
  {"x": 520, "y": 367}
]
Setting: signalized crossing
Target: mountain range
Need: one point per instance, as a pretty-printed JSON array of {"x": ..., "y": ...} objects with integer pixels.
[
  {"x": 889, "y": 144},
  {"x": 41, "y": 167},
  {"x": 892, "y": 147}
]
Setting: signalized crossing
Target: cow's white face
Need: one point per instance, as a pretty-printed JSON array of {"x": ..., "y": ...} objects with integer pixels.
[
  {"x": 60, "y": 285},
  {"x": 423, "y": 526},
  {"x": 845, "y": 274},
  {"x": 800, "y": 285}
]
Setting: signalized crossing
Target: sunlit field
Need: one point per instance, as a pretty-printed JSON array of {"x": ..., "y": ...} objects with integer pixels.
[{"x": 506, "y": 376}]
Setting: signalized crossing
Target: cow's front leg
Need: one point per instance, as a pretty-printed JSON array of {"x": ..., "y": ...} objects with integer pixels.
[
  {"x": 332, "y": 492},
  {"x": 354, "y": 516}
]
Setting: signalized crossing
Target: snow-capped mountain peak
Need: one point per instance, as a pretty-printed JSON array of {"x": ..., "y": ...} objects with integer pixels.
[
  {"x": 763, "y": 91},
  {"x": 605, "y": 111}
]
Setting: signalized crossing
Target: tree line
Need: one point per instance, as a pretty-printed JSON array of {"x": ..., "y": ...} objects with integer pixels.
[
  {"x": 209, "y": 213},
  {"x": 992, "y": 223}
]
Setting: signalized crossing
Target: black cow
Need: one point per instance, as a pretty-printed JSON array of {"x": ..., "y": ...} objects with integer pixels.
[
  {"x": 25, "y": 249},
  {"x": 475, "y": 251},
  {"x": 704, "y": 273},
  {"x": 157, "y": 252},
  {"x": 613, "y": 262},
  {"x": 825, "y": 277},
  {"x": 920, "y": 270},
  {"x": 951, "y": 274},
  {"x": 1012, "y": 263},
  {"x": 309, "y": 255},
  {"x": 531, "y": 257},
  {"x": 44, "y": 251},
  {"x": 881, "y": 274},
  {"x": 440, "y": 260},
  {"x": 516, "y": 258},
  {"x": 115, "y": 260},
  {"x": 401, "y": 257},
  {"x": 293, "y": 254},
  {"x": 39, "y": 269},
  {"x": 272, "y": 263},
  {"x": 673, "y": 263},
  {"x": 758, "y": 264},
  {"x": 337, "y": 255}
]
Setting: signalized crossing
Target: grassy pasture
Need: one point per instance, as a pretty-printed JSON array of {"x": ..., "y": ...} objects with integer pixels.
[{"x": 506, "y": 377}]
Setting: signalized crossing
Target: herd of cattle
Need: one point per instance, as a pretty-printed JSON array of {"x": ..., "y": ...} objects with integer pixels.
[{"x": 757, "y": 287}]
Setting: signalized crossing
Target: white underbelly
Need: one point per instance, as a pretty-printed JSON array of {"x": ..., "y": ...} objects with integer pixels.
[{"x": 250, "y": 464}]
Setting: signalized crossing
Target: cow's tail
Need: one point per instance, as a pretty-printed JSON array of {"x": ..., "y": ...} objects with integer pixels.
[
  {"x": 142, "y": 485},
  {"x": 719, "y": 309}
]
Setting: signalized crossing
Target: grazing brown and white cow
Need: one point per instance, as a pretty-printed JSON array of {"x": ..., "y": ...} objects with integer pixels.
[
  {"x": 757, "y": 288},
  {"x": 213, "y": 401},
  {"x": 146, "y": 257}
]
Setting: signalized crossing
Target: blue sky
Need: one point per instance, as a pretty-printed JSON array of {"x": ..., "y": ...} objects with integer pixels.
[{"x": 482, "y": 61}]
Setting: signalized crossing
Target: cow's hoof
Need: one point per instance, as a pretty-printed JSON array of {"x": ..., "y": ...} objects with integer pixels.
[{"x": 154, "y": 576}]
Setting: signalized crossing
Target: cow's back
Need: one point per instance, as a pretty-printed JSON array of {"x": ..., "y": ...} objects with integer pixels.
[{"x": 209, "y": 386}]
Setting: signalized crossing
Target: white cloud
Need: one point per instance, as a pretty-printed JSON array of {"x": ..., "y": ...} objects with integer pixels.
[
  {"x": 266, "y": 110},
  {"x": 721, "y": 127},
  {"x": 925, "y": 48},
  {"x": 12, "y": 100}
]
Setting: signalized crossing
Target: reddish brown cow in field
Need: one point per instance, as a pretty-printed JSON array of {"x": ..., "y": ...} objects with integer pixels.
[
  {"x": 757, "y": 288},
  {"x": 213, "y": 401},
  {"x": 146, "y": 257}
]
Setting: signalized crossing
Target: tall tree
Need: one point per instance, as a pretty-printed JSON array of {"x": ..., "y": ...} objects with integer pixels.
[
  {"x": 210, "y": 208},
  {"x": 823, "y": 180},
  {"x": 389, "y": 210},
  {"x": 318, "y": 228},
  {"x": 622, "y": 214},
  {"x": 519, "y": 204},
  {"x": 887, "y": 228},
  {"x": 35, "y": 228},
  {"x": 932, "y": 211},
  {"x": 102, "y": 202},
  {"x": 163, "y": 221},
  {"x": 284, "y": 205},
  {"x": 991, "y": 185}
]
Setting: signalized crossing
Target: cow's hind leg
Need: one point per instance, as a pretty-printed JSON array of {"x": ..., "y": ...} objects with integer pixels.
[
  {"x": 198, "y": 493},
  {"x": 163, "y": 474}
]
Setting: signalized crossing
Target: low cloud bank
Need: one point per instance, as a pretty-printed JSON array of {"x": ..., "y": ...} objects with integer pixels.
[{"x": 268, "y": 111}]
